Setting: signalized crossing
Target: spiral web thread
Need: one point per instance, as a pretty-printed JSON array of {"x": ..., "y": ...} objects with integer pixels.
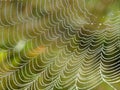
[{"x": 45, "y": 45}]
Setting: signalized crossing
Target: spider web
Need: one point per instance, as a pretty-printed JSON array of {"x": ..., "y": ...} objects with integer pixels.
[{"x": 57, "y": 45}]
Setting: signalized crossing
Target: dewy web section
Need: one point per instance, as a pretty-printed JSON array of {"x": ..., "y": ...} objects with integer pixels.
[{"x": 59, "y": 45}]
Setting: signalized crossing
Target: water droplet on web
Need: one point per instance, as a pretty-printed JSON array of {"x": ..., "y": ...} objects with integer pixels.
[
  {"x": 91, "y": 23},
  {"x": 100, "y": 24}
]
